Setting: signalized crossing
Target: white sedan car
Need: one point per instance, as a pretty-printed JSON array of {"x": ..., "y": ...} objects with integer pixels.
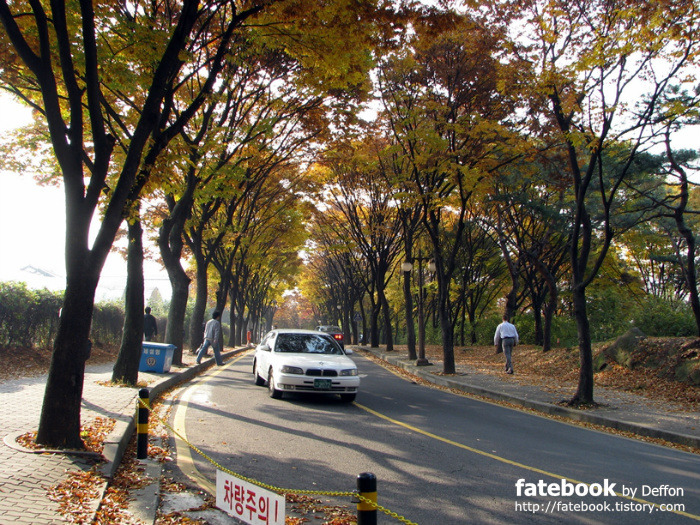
[{"x": 305, "y": 361}]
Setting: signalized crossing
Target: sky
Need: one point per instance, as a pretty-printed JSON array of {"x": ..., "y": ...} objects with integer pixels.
[{"x": 32, "y": 231}]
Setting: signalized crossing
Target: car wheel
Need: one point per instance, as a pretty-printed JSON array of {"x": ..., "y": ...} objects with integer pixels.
[
  {"x": 348, "y": 398},
  {"x": 274, "y": 393},
  {"x": 259, "y": 381}
]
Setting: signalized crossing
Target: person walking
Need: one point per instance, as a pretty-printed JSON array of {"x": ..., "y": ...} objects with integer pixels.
[
  {"x": 507, "y": 335},
  {"x": 150, "y": 325},
  {"x": 212, "y": 334}
]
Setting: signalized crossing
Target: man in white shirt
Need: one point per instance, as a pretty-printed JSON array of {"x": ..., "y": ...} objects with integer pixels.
[
  {"x": 212, "y": 333},
  {"x": 507, "y": 334}
]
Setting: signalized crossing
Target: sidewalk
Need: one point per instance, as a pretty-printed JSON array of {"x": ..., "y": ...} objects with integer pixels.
[
  {"x": 620, "y": 410},
  {"x": 25, "y": 477}
]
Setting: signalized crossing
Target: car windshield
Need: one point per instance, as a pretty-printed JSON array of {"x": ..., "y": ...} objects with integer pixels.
[{"x": 305, "y": 344}]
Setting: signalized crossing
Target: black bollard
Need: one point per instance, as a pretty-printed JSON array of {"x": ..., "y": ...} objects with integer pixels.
[
  {"x": 367, "y": 487},
  {"x": 142, "y": 425}
]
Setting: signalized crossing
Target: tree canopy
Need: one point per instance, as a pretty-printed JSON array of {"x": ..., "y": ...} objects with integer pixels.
[{"x": 526, "y": 148}]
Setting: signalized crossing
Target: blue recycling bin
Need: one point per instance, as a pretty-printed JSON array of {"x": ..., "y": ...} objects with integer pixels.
[{"x": 156, "y": 357}]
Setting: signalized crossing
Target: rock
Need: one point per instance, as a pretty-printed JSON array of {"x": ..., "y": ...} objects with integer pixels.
[{"x": 620, "y": 351}]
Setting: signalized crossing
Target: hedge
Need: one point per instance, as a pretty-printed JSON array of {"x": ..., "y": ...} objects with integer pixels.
[{"x": 29, "y": 318}]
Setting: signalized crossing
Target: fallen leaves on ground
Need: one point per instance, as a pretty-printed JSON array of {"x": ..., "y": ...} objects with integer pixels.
[
  {"x": 75, "y": 494},
  {"x": 16, "y": 363},
  {"x": 93, "y": 435},
  {"x": 558, "y": 370},
  {"x": 316, "y": 509}
]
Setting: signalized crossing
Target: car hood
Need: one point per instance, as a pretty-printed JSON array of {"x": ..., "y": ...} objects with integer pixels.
[{"x": 316, "y": 360}]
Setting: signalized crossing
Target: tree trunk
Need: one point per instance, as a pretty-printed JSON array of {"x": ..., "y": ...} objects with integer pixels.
[
  {"x": 539, "y": 329},
  {"x": 175, "y": 330},
  {"x": 241, "y": 329},
  {"x": 387, "y": 321},
  {"x": 549, "y": 309},
  {"x": 170, "y": 242},
  {"x": 200, "y": 304},
  {"x": 689, "y": 267},
  {"x": 233, "y": 338},
  {"x": 472, "y": 326},
  {"x": 448, "y": 349},
  {"x": 126, "y": 368},
  {"x": 584, "y": 393},
  {"x": 59, "y": 424},
  {"x": 410, "y": 324},
  {"x": 374, "y": 326},
  {"x": 448, "y": 346}
]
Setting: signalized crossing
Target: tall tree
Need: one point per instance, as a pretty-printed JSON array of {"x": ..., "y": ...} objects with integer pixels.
[
  {"x": 532, "y": 203},
  {"x": 73, "y": 60},
  {"x": 368, "y": 214},
  {"x": 602, "y": 68},
  {"x": 450, "y": 111},
  {"x": 681, "y": 209},
  {"x": 126, "y": 367}
]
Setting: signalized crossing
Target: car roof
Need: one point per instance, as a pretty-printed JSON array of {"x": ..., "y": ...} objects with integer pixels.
[{"x": 294, "y": 331}]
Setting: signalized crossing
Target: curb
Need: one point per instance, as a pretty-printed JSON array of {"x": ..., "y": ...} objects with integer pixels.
[
  {"x": 547, "y": 408},
  {"x": 116, "y": 443}
]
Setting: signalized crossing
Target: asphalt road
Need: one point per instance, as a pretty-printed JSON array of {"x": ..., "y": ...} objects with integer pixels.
[{"x": 439, "y": 458}]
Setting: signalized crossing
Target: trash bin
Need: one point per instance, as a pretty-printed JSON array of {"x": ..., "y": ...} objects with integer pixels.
[{"x": 156, "y": 357}]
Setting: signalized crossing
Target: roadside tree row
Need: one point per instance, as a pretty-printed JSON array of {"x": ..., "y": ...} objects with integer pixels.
[{"x": 512, "y": 149}]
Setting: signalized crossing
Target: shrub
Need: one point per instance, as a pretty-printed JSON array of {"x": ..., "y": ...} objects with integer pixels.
[
  {"x": 564, "y": 332},
  {"x": 658, "y": 318},
  {"x": 486, "y": 328},
  {"x": 107, "y": 323},
  {"x": 29, "y": 318}
]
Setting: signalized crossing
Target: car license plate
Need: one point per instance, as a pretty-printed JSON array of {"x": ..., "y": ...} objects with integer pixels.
[{"x": 322, "y": 384}]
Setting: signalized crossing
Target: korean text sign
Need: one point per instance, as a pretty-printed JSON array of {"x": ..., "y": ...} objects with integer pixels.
[{"x": 247, "y": 502}]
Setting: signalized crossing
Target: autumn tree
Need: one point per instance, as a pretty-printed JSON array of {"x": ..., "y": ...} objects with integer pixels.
[
  {"x": 602, "y": 68},
  {"x": 107, "y": 80},
  {"x": 265, "y": 229},
  {"x": 366, "y": 212},
  {"x": 678, "y": 206},
  {"x": 334, "y": 274},
  {"x": 103, "y": 77},
  {"x": 280, "y": 87},
  {"x": 481, "y": 276},
  {"x": 448, "y": 108},
  {"x": 527, "y": 212}
]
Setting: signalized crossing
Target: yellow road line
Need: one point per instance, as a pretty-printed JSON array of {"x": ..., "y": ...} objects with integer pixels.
[
  {"x": 502, "y": 459},
  {"x": 184, "y": 458}
]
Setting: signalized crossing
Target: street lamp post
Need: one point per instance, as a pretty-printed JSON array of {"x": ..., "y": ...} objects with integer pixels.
[
  {"x": 339, "y": 307},
  {"x": 407, "y": 267}
]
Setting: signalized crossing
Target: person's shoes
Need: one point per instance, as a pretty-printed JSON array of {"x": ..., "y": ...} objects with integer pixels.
[
  {"x": 199, "y": 361},
  {"x": 509, "y": 371}
]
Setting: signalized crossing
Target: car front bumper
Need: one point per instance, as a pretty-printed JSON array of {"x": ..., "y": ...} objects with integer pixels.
[{"x": 318, "y": 385}]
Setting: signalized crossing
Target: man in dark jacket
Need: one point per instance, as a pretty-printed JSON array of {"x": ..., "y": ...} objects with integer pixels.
[{"x": 150, "y": 326}]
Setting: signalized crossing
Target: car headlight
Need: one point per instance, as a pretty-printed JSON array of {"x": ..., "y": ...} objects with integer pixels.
[
  {"x": 292, "y": 370},
  {"x": 349, "y": 372}
]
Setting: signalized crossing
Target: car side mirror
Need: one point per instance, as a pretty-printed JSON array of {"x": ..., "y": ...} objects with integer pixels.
[
  {"x": 264, "y": 348},
  {"x": 348, "y": 351}
]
